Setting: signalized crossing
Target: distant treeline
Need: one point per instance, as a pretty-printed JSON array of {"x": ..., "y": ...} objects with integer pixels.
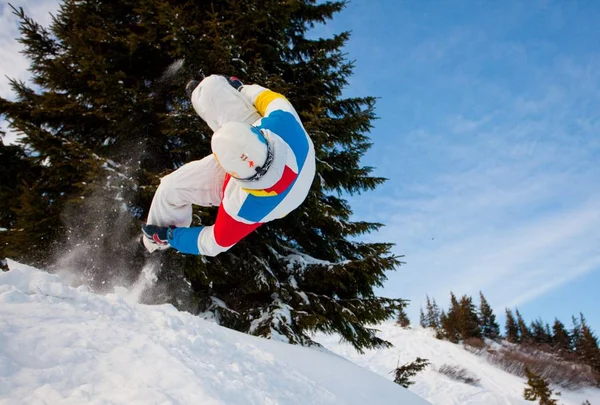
[{"x": 464, "y": 322}]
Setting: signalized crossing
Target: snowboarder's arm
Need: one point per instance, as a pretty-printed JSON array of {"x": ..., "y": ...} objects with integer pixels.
[
  {"x": 232, "y": 224},
  {"x": 266, "y": 101},
  {"x": 224, "y": 234},
  {"x": 205, "y": 240}
]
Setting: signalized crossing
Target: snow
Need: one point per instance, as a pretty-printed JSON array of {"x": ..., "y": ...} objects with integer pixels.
[
  {"x": 64, "y": 345},
  {"x": 495, "y": 386}
]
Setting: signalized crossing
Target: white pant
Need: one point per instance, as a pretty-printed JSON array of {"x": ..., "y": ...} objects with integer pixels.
[{"x": 200, "y": 182}]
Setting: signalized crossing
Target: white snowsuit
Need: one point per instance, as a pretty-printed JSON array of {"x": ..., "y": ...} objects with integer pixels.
[{"x": 243, "y": 205}]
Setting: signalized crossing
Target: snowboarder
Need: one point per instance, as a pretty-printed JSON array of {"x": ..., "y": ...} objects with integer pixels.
[{"x": 261, "y": 168}]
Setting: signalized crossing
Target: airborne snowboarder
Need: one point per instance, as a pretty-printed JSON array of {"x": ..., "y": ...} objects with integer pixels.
[{"x": 261, "y": 168}]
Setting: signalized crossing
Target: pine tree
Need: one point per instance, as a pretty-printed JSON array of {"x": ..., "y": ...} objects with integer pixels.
[
  {"x": 450, "y": 321},
  {"x": 524, "y": 332},
  {"x": 561, "y": 339},
  {"x": 422, "y": 320},
  {"x": 587, "y": 345},
  {"x": 441, "y": 332},
  {"x": 538, "y": 389},
  {"x": 403, "y": 374},
  {"x": 16, "y": 175},
  {"x": 468, "y": 321},
  {"x": 432, "y": 315},
  {"x": 575, "y": 333},
  {"x": 111, "y": 118},
  {"x": 548, "y": 332},
  {"x": 540, "y": 333},
  {"x": 402, "y": 319},
  {"x": 511, "y": 328},
  {"x": 488, "y": 325}
]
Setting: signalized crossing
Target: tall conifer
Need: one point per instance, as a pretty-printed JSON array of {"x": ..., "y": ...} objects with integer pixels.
[
  {"x": 587, "y": 345},
  {"x": 524, "y": 331},
  {"x": 450, "y": 321},
  {"x": 487, "y": 319},
  {"x": 511, "y": 328},
  {"x": 561, "y": 339},
  {"x": 432, "y": 316},
  {"x": 111, "y": 118},
  {"x": 468, "y": 321}
]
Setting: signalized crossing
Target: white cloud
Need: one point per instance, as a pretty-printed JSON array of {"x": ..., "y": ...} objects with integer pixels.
[{"x": 502, "y": 196}]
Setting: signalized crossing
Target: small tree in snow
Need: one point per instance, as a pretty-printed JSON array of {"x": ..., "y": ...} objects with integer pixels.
[
  {"x": 422, "y": 320},
  {"x": 402, "y": 319},
  {"x": 404, "y": 373},
  {"x": 538, "y": 389},
  {"x": 432, "y": 316}
]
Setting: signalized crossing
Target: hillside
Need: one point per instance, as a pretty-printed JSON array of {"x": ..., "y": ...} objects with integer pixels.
[
  {"x": 63, "y": 345},
  {"x": 495, "y": 386}
]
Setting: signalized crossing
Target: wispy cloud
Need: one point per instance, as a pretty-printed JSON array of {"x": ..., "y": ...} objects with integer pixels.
[{"x": 491, "y": 142}]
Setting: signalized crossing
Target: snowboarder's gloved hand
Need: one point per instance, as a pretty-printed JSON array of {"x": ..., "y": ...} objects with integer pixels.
[
  {"x": 235, "y": 82},
  {"x": 184, "y": 240},
  {"x": 158, "y": 235}
]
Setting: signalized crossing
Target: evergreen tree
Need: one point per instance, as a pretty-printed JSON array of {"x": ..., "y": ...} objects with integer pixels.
[
  {"x": 540, "y": 333},
  {"x": 403, "y": 374},
  {"x": 511, "y": 328},
  {"x": 441, "y": 332},
  {"x": 548, "y": 332},
  {"x": 587, "y": 346},
  {"x": 432, "y": 315},
  {"x": 468, "y": 321},
  {"x": 561, "y": 339},
  {"x": 422, "y": 320},
  {"x": 16, "y": 175},
  {"x": 524, "y": 332},
  {"x": 487, "y": 319},
  {"x": 538, "y": 389},
  {"x": 575, "y": 333},
  {"x": 450, "y": 321},
  {"x": 111, "y": 118},
  {"x": 402, "y": 318}
]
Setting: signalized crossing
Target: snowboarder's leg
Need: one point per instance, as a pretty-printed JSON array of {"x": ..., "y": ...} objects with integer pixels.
[
  {"x": 199, "y": 182},
  {"x": 217, "y": 101}
]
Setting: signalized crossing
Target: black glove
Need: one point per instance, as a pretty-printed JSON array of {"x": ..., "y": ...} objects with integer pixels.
[
  {"x": 235, "y": 82},
  {"x": 159, "y": 235}
]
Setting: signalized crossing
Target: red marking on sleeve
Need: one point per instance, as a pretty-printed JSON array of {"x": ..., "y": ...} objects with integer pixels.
[
  {"x": 228, "y": 231},
  {"x": 287, "y": 178}
]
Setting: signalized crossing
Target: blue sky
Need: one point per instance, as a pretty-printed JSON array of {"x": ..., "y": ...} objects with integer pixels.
[{"x": 489, "y": 132}]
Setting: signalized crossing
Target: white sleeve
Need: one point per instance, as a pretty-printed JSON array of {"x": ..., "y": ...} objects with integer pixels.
[
  {"x": 217, "y": 102},
  {"x": 266, "y": 101}
]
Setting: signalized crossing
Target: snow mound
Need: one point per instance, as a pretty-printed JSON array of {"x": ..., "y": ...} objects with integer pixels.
[{"x": 63, "y": 345}]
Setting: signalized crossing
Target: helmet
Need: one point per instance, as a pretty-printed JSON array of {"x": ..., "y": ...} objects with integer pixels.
[{"x": 242, "y": 150}]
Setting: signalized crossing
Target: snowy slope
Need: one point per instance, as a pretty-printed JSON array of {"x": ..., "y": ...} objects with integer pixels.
[
  {"x": 495, "y": 387},
  {"x": 60, "y": 345}
]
